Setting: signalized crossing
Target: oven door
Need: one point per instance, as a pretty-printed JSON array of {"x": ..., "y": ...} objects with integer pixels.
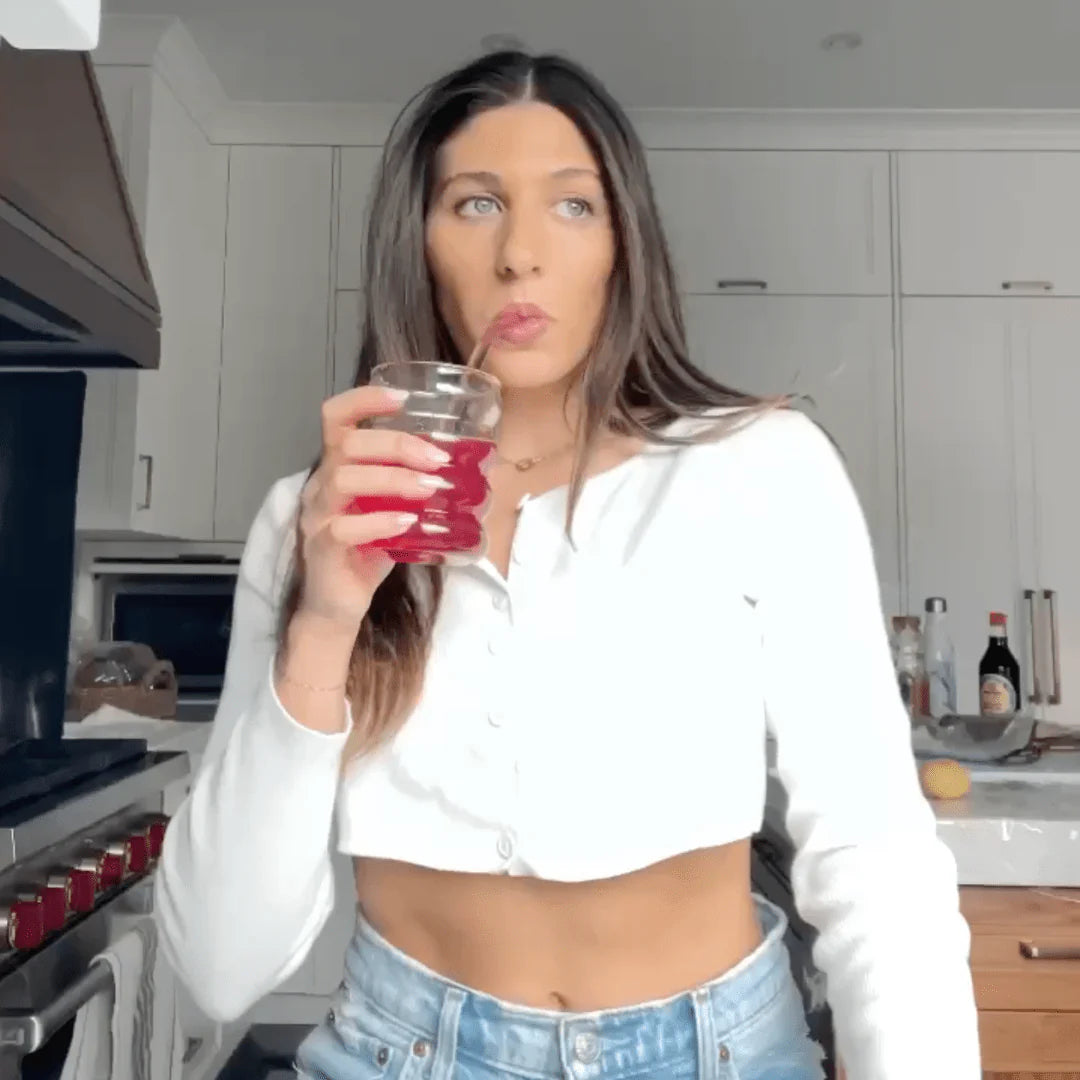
[
  {"x": 185, "y": 618},
  {"x": 40, "y": 999}
]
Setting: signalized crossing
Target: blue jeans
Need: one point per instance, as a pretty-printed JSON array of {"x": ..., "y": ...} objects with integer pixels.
[{"x": 395, "y": 1019}]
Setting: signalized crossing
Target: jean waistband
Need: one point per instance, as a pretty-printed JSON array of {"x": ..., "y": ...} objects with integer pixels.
[{"x": 544, "y": 1042}]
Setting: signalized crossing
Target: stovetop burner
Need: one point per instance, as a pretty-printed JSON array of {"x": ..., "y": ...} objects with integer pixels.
[{"x": 35, "y": 767}]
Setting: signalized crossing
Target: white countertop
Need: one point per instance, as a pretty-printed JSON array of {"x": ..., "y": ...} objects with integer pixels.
[{"x": 1019, "y": 825}]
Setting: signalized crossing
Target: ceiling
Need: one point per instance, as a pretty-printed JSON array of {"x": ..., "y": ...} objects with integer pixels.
[{"x": 654, "y": 53}]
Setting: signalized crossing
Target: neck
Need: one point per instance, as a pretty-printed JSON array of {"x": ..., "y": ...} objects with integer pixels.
[{"x": 537, "y": 421}]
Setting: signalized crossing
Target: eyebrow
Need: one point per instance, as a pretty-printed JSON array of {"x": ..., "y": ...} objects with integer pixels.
[{"x": 493, "y": 179}]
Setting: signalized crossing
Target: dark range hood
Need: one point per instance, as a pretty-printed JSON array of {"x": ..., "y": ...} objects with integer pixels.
[{"x": 75, "y": 288}]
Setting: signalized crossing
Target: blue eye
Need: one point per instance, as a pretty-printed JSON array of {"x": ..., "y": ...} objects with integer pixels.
[
  {"x": 575, "y": 208},
  {"x": 477, "y": 206}
]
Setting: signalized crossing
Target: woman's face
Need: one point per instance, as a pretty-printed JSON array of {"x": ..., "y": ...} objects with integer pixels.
[{"x": 519, "y": 219}]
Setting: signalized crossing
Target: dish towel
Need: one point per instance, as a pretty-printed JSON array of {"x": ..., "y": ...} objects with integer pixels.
[{"x": 131, "y": 1034}]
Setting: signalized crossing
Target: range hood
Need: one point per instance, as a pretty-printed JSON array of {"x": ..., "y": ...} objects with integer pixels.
[{"x": 75, "y": 288}]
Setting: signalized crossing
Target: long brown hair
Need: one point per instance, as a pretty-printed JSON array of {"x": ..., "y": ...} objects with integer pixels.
[{"x": 638, "y": 378}]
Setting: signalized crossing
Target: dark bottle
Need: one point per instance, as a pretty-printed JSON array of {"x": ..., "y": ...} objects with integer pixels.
[{"x": 999, "y": 673}]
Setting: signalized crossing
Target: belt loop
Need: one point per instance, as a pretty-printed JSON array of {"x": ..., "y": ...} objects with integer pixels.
[
  {"x": 442, "y": 1067},
  {"x": 705, "y": 1022}
]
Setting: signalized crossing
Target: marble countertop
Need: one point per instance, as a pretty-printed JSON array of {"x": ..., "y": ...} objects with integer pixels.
[{"x": 1019, "y": 825}]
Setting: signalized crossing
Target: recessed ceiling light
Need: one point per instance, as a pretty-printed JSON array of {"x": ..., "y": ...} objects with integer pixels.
[
  {"x": 844, "y": 40},
  {"x": 501, "y": 43}
]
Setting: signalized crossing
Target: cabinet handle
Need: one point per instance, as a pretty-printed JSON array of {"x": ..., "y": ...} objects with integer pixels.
[
  {"x": 1028, "y": 286},
  {"x": 148, "y": 490},
  {"x": 1054, "y": 698},
  {"x": 742, "y": 283},
  {"x": 1030, "y": 951},
  {"x": 1036, "y": 689}
]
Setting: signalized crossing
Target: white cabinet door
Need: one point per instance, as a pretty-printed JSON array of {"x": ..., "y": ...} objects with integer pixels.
[
  {"x": 177, "y": 416},
  {"x": 787, "y": 222},
  {"x": 1054, "y": 359},
  {"x": 838, "y": 351},
  {"x": 149, "y": 453},
  {"x": 963, "y": 372},
  {"x": 359, "y": 167},
  {"x": 275, "y": 356},
  {"x": 989, "y": 224},
  {"x": 346, "y": 339}
]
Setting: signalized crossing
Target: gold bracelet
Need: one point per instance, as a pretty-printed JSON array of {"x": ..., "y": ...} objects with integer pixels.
[{"x": 282, "y": 677}]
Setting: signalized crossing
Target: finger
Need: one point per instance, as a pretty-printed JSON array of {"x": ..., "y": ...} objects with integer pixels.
[
  {"x": 347, "y": 481},
  {"x": 397, "y": 446},
  {"x": 357, "y": 404},
  {"x": 358, "y": 529}
]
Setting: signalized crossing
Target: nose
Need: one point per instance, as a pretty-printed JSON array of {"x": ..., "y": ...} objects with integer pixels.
[{"x": 521, "y": 245}]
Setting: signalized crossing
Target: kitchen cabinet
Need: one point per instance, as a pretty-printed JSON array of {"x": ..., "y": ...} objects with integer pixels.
[
  {"x": 991, "y": 445},
  {"x": 989, "y": 224},
  {"x": 149, "y": 453},
  {"x": 785, "y": 222},
  {"x": 963, "y": 492},
  {"x": 358, "y": 168},
  {"x": 276, "y": 359},
  {"x": 839, "y": 351},
  {"x": 347, "y": 315},
  {"x": 1053, "y": 343},
  {"x": 1029, "y": 1009}
]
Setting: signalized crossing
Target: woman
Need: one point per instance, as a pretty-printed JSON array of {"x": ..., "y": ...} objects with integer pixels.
[{"x": 548, "y": 766}]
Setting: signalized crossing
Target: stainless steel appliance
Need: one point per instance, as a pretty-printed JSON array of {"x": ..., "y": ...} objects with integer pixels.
[
  {"x": 72, "y": 855},
  {"x": 75, "y": 288},
  {"x": 80, "y": 820},
  {"x": 180, "y": 604}
]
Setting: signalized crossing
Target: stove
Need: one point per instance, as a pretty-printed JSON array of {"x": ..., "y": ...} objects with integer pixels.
[{"x": 81, "y": 829}]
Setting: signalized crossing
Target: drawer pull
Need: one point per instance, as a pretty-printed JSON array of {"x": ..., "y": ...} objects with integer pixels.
[
  {"x": 1031, "y": 951},
  {"x": 1028, "y": 286},
  {"x": 742, "y": 283}
]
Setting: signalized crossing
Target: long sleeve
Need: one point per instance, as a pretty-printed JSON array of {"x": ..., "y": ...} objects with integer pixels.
[
  {"x": 245, "y": 882},
  {"x": 870, "y": 874}
]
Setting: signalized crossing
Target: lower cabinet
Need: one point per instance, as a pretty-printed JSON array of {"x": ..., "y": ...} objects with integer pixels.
[{"x": 1025, "y": 961}]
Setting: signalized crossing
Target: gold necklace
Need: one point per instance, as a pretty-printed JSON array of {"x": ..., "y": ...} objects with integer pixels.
[{"x": 527, "y": 463}]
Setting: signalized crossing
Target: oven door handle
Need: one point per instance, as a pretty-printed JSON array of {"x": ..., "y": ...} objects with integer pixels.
[{"x": 26, "y": 1032}]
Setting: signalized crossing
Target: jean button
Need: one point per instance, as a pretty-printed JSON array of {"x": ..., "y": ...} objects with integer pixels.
[
  {"x": 724, "y": 1052},
  {"x": 420, "y": 1048},
  {"x": 586, "y": 1047},
  {"x": 383, "y": 1056}
]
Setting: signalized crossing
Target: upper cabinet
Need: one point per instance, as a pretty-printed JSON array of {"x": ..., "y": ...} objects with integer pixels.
[
  {"x": 781, "y": 222},
  {"x": 837, "y": 351},
  {"x": 149, "y": 452},
  {"x": 276, "y": 357},
  {"x": 989, "y": 224},
  {"x": 358, "y": 169}
]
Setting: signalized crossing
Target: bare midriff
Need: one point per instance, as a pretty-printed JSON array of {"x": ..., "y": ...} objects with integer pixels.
[{"x": 573, "y": 946}]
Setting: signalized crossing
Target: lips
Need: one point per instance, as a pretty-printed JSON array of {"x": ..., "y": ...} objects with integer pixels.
[{"x": 521, "y": 324}]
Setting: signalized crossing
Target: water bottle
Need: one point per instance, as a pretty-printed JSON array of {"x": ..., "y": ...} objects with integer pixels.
[{"x": 939, "y": 658}]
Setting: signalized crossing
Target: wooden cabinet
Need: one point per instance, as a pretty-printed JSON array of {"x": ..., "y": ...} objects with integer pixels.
[
  {"x": 989, "y": 224},
  {"x": 276, "y": 359},
  {"x": 837, "y": 350},
  {"x": 149, "y": 454},
  {"x": 785, "y": 222},
  {"x": 1029, "y": 1008}
]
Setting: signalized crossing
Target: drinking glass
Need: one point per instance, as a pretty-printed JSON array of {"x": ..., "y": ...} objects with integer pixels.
[{"x": 458, "y": 409}]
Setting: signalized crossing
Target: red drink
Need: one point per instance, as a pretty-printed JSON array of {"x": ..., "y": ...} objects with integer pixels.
[{"x": 450, "y": 521}]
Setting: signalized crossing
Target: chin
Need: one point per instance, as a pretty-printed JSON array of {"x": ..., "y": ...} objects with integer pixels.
[{"x": 526, "y": 369}]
